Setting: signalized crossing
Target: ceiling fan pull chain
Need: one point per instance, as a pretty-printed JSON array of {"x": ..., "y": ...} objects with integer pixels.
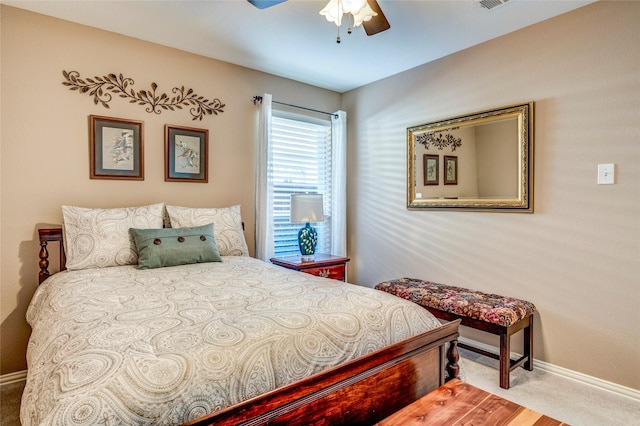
[{"x": 338, "y": 38}]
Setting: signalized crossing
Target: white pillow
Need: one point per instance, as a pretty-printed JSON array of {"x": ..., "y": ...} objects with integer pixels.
[
  {"x": 97, "y": 238},
  {"x": 227, "y": 226}
]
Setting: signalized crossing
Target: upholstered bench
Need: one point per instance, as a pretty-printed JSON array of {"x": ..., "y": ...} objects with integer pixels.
[{"x": 492, "y": 313}]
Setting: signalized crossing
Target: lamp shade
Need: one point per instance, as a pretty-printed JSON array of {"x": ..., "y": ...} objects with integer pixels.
[
  {"x": 363, "y": 15},
  {"x": 306, "y": 208}
]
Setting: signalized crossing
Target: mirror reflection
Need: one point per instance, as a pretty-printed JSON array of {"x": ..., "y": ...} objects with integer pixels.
[{"x": 477, "y": 161}]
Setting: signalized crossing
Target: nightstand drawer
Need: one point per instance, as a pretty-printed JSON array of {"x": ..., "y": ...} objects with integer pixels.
[
  {"x": 336, "y": 272},
  {"x": 322, "y": 265}
]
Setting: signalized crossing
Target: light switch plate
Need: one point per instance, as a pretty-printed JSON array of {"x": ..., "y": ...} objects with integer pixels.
[{"x": 606, "y": 174}]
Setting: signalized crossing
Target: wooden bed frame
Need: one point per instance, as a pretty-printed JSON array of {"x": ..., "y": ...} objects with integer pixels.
[{"x": 359, "y": 392}]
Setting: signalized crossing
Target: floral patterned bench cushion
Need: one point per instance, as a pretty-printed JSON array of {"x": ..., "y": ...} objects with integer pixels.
[{"x": 491, "y": 308}]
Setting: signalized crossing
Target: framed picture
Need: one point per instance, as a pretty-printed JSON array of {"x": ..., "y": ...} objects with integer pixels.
[
  {"x": 185, "y": 154},
  {"x": 116, "y": 148},
  {"x": 450, "y": 170},
  {"x": 431, "y": 172}
]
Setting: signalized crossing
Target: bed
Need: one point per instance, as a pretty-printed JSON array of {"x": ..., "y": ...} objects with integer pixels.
[{"x": 234, "y": 341}]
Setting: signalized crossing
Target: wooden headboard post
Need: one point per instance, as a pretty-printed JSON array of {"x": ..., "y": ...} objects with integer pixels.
[{"x": 46, "y": 235}]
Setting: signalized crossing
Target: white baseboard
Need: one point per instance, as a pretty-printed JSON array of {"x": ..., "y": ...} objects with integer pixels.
[
  {"x": 603, "y": 385},
  {"x": 18, "y": 376}
]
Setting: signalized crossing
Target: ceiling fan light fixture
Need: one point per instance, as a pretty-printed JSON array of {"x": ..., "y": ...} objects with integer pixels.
[
  {"x": 363, "y": 15},
  {"x": 333, "y": 12},
  {"x": 353, "y": 6},
  {"x": 360, "y": 10}
]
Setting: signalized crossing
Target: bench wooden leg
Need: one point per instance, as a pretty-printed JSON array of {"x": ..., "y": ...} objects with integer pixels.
[
  {"x": 505, "y": 359},
  {"x": 528, "y": 345},
  {"x": 506, "y": 365}
]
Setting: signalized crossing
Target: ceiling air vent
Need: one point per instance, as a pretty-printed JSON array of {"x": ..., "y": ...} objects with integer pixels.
[{"x": 491, "y": 4}]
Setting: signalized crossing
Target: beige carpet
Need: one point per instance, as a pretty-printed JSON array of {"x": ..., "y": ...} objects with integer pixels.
[
  {"x": 558, "y": 397},
  {"x": 10, "y": 404}
]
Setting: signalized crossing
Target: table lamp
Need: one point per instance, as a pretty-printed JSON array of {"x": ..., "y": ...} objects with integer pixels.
[{"x": 307, "y": 208}]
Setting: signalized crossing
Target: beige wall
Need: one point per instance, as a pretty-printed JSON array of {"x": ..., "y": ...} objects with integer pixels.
[
  {"x": 44, "y": 146},
  {"x": 578, "y": 256}
]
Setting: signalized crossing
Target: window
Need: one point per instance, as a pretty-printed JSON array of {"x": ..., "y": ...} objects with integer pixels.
[
  {"x": 301, "y": 162},
  {"x": 299, "y": 153}
]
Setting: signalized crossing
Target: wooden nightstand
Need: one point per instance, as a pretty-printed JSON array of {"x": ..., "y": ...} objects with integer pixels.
[{"x": 322, "y": 265}]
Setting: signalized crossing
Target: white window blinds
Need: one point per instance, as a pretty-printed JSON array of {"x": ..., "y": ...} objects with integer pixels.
[{"x": 301, "y": 163}]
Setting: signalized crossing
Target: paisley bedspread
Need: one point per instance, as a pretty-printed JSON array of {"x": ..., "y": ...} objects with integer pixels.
[{"x": 118, "y": 345}]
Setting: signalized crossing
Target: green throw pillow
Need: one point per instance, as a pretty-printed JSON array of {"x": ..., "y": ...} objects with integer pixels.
[{"x": 158, "y": 248}]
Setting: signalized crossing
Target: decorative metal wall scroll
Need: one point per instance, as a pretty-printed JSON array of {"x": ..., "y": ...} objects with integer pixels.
[
  {"x": 99, "y": 88},
  {"x": 438, "y": 140}
]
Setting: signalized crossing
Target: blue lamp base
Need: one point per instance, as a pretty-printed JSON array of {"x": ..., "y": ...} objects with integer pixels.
[{"x": 307, "y": 240}]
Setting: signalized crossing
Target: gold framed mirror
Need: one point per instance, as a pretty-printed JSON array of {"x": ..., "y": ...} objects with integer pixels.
[{"x": 478, "y": 161}]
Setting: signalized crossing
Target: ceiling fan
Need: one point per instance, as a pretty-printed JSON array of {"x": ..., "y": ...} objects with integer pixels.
[{"x": 375, "y": 25}]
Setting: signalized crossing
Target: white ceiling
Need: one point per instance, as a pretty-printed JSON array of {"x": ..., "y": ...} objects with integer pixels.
[{"x": 292, "y": 40}]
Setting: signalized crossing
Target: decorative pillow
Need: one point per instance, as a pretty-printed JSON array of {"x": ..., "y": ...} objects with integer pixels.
[
  {"x": 97, "y": 238},
  {"x": 227, "y": 226},
  {"x": 158, "y": 248}
]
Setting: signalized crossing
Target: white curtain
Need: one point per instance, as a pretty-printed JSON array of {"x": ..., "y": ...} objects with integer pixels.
[
  {"x": 339, "y": 196},
  {"x": 264, "y": 187}
]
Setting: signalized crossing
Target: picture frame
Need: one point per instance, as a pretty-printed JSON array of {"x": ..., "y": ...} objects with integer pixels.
[
  {"x": 116, "y": 148},
  {"x": 450, "y": 170},
  {"x": 186, "y": 154},
  {"x": 431, "y": 168}
]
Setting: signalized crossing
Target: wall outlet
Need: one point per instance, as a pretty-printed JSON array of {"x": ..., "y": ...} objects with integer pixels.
[{"x": 606, "y": 174}]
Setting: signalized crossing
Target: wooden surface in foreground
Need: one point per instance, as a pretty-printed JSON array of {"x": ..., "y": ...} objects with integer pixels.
[{"x": 459, "y": 403}]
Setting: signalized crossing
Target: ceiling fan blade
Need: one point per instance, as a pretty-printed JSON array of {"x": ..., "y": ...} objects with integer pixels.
[
  {"x": 378, "y": 23},
  {"x": 263, "y": 4}
]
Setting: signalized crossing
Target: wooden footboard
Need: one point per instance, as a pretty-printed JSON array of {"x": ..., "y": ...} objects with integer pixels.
[{"x": 360, "y": 392}]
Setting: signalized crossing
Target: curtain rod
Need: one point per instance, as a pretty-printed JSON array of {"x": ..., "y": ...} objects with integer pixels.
[{"x": 257, "y": 99}]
